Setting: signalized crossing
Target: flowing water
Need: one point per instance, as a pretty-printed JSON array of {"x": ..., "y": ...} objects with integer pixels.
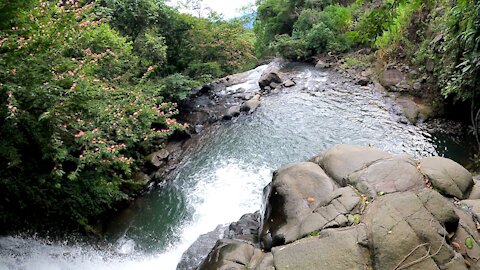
[{"x": 226, "y": 170}]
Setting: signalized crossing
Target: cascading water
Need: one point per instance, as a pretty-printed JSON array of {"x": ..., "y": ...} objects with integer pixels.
[{"x": 224, "y": 175}]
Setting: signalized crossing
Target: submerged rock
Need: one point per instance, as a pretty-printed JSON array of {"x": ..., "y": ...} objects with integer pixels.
[{"x": 355, "y": 207}]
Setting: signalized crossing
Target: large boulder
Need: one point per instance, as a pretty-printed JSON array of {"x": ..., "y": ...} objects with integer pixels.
[
  {"x": 332, "y": 249},
  {"x": 233, "y": 255},
  {"x": 449, "y": 177},
  {"x": 378, "y": 212},
  {"x": 290, "y": 197},
  {"x": 387, "y": 176},
  {"x": 342, "y": 160},
  {"x": 271, "y": 75},
  {"x": 402, "y": 230},
  {"x": 251, "y": 105},
  {"x": 391, "y": 78}
]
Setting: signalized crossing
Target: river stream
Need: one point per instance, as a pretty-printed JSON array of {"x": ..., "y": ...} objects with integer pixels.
[{"x": 225, "y": 172}]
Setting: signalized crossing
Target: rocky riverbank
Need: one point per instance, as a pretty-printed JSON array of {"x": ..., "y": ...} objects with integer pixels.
[{"x": 354, "y": 207}]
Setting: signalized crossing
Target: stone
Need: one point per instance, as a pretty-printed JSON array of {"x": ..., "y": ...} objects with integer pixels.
[
  {"x": 285, "y": 200},
  {"x": 322, "y": 65},
  {"x": 449, "y": 177},
  {"x": 289, "y": 83},
  {"x": 198, "y": 128},
  {"x": 159, "y": 158},
  {"x": 391, "y": 77},
  {"x": 417, "y": 86},
  {"x": 475, "y": 193},
  {"x": 332, "y": 249},
  {"x": 387, "y": 176},
  {"x": 245, "y": 229},
  {"x": 250, "y": 106},
  {"x": 270, "y": 75},
  {"x": 399, "y": 224},
  {"x": 474, "y": 206},
  {"x": 233, "y": 111},
  {"x": 362, "y": 81},
  {"x": 199, "y": 250},
  {"x": 342, "y": 160},
  {"x": 228, "y": 254}
]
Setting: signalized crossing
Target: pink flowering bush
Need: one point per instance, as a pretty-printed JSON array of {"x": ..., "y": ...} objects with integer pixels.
[{"x": 73, "y": 116}]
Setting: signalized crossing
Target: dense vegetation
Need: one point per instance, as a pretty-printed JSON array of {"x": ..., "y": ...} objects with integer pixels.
[
  {"x": 87, "y": 89},
  {"x": 90, "y": 87}
]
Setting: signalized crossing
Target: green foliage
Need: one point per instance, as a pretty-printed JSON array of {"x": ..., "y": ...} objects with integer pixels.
[
  {"x": 401, "y": 20},
  {"x": 176, "y": 87},
  {"x": 316, "y": 32},
  {"x": 71, "y": 123}
]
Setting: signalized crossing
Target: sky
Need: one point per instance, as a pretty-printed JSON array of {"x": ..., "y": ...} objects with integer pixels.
[{"x": 229, "y": 8}]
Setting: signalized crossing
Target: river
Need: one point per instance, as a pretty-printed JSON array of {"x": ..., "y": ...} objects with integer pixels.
[{"x": 225, "y": 172}]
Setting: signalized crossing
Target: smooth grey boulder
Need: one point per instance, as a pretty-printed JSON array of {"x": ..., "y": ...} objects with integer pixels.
[
  {"x": 402, "y": 229},
  {"x": 271, "y": 75},
  {"x": 251, "y": 105},
  {"x": 332, "y": 249},
  {"x": 449, "y": 177},
  {"x": 233, "y": 111},
  {"x": 342, "y": 160},
  {"x": 158, "y": 158},
  {"x": 199, "y": 250},
  {"x": 290, "y": 197},
  {"x": 387, "y": 176},
  {"x": 233, "y": 255},
  {"x": 391, "y": 78}
]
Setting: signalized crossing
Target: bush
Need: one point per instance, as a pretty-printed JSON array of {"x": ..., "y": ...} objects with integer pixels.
[
  {"x": 290, "y": 48},
  {"x": 72, "y": 123}
]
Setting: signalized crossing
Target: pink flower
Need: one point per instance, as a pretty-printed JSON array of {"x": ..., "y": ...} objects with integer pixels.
[{"x": 80, "y": 134}]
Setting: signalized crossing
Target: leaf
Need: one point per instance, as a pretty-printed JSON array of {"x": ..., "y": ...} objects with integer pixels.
[{"x": 469, "y": 242}]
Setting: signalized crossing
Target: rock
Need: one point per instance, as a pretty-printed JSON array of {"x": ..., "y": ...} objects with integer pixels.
[
  {"x": 342, "y": 160},
  {"x": 362, "y": 81},
  {"x": 322, "y": 65},
  {"x": 332, "y": 249},
  {"x": 250, "y": 106},
  {"x": 391, "y": 78},
  {"x": 399, "y": 224},
  {"x": 474, "y": 206},
  {"x": 159, "y": 158},
  {"x": 246, "y": 229},
  {"x": 308, "y": 222},
  {"x": 417, "y": 86},
  {"x": 342, "y": 208},
  {"x": 289, "y": 83},
  {"x": 233, "y": 111},
  {"x": 415, "y": 112},
  {"x": 270, "y": 75},
  {"x": 475, "y": 193},
  {"x": 198, "y": 128},
  {"x": 285, "y": 200},
  {"x": 232, "y": 254},
  {"x": 199, "y": 250},
  {"x": 466, "y": 231},
  {"x": 274, "y": 85},
  {"x": 387, "y": 176},
  {"x": 449, "y": 177}
]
